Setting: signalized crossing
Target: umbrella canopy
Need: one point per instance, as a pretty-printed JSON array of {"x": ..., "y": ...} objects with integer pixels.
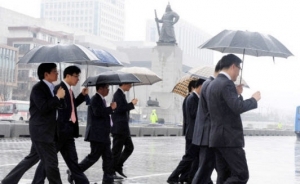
[
  {"x": 202, "y": 72},
  {"x": 105, "y": 58},
  {"x": 58, "y": 53},
  {"x": 146, "y": 76},
  {"x": 112, "y": 78},
  {"x": 181, "y": 88},
  {"x": 246, "y": 42}
]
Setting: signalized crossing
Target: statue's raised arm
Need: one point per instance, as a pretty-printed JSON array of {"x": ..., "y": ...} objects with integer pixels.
[{"x": 167, "y": 34}]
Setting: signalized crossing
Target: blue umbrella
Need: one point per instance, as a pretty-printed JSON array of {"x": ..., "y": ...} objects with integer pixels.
[{"x": 105, "y": 58}]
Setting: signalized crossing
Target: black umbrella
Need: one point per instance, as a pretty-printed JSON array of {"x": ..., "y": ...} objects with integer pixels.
[
  {"x": 112, "y": 78},
  {"x": 246, "y": 42}
]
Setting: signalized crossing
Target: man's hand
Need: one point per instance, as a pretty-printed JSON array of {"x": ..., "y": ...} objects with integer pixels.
[
  {"x": 60, "y": 93},
  {"x": 134, "y": 101},
  {"x": 85, "y": 91},
  {"x": 113, "y": 105},
  {"x": 256, "y": 95}
]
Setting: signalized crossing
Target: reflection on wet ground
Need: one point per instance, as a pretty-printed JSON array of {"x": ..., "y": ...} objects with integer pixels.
[{"x": 271, "y": 160}]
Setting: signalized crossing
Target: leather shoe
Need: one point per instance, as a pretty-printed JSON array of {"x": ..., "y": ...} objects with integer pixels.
[
  {"x": 107, "y": 181},
  {"x": 172, "y": 182},
  {"x": 121, "y": 173},
  {"x": 115, "y": 177},
  {"x": 70, "y": 177}
]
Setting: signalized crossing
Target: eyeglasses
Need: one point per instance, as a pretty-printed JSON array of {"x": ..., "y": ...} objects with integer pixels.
[
  {"x": 54, "y": 71},
  {"x": 239, "y": 67},
  {"x": 76, "y": 76}
]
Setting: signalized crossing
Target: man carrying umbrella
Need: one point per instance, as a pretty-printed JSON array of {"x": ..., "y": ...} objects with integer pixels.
[
  {"x": 68, "y": 127},
  {"x": 97, "y": 133},
  {"x": 120, "y": 129},
  {"x": 226, "y": 133}
]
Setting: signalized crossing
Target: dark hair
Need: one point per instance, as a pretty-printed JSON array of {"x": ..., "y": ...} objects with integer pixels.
[
  {"x": 199, "y": 82},
  {"x": 100, "y": 86},
  {"x": 124, "y": 83},
  {"x": 191, "y": 85},
  {"x": 218, "y": 66},
  {"x": 71, "y": 70},
  {"x": 228, "y": 60},
  {"x": 45, "y": 68}
]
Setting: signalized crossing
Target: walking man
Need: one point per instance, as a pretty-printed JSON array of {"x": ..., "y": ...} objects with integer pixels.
[
  {"x": 42, "y": 127},
  {"x": 122, "y": 142},
  {"x": 97, "y": 133},
  {"x": 226, "y": 133}
]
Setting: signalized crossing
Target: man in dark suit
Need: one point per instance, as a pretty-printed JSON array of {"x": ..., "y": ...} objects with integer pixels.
[
  {"x": 97, "y": 133},
  {"x": 68, "y": 128},
  {"x": 201, "y": 136},
  {"x": 187, "y": 167},
  {"x": 191, "y": 88},
  {"x": 226, "y": 134},
  {"x": 120, "y": 129},
  {"x": 42, "y": 127}
]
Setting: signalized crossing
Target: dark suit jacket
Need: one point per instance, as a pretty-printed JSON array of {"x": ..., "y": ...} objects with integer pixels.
[
  {"x": 42, "y": 108},
  {"x": 98, "y": 121},
  {"x": 191, "y": 111},
  {"x": 184, "y": 115},
  {"x": 67, "y": 128},
  {"x": 120, "y": 116},
  {"x": 202, "y": 122},
  {"x": 225, "y": 108}
]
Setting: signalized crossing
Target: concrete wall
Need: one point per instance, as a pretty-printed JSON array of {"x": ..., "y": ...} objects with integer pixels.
[{"x": 20, "y": 129}]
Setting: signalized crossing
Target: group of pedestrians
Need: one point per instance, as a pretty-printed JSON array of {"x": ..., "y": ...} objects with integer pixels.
[
  {"x": 217, "y": 132},
  {"x": 53, "y": 127}
]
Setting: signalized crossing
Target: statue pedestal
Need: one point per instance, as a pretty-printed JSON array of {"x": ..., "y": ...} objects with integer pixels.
[{"x": 167, "y": 63}]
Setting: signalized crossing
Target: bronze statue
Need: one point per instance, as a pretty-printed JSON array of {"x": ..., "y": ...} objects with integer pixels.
[{"x": 167, "y": 34}]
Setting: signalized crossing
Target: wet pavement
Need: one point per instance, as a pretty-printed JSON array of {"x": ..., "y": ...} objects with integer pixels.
[{"x": 271, "y": 160}]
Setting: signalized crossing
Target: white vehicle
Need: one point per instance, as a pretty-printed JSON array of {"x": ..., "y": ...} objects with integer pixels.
[{"x": 14, "y": 110}]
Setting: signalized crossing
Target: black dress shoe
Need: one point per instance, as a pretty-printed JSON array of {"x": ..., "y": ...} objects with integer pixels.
[
  {"x": 107, "y": 182},
  {"x": 115, "y": 177},
  {"x": 121, "y": 173},
  {"x": 70, "y": 177},
  {"x": 172, "y": 182}
]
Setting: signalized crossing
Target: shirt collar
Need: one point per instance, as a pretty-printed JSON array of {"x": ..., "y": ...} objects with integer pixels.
[
  {"x": 226, "y": 74},
  {"x": 50, "y": 85},
  {"x": 122, "y": 90},
  {"x": 68, "y": 86},
  {"x": 196, "y": 94},
  {"x": 100, "y": 95}
]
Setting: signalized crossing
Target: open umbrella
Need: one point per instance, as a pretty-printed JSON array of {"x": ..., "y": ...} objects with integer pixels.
[
  {"x": 58, "y": 53},
  {"x": 246, "y": 42},
  {"x": 202, "y": 72},
  {"x": 112, "y": 78},
  {"x": 105, "y": 58},
  {"x": 146, "y": 76}
]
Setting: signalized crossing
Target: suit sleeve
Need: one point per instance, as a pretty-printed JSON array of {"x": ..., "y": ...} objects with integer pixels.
[
  {"x": 237, "y": 105},
  {"x": 42, "y": 101},
  {"x": 98, "y": 109},
  {"x": 79, "y": 99},
  {"x": 122, "y": 105},
  {"x": 192, "y": 106}
]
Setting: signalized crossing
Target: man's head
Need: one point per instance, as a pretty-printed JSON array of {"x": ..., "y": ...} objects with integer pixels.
[
  {"x": 217, "y": 68},
  {"x": 48, "y": 72},
  {"x": 198, "y": 85},
  {"x": 191, "y": 85},
  {"x": 231, "y": 64},
  {"x": 103, "y": 89},
  {"x": 71, "y": 75},
  {"x": 125, "y": 86}
]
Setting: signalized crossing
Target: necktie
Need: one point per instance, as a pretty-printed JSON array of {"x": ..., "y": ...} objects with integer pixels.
[
  {"x": 104, "y": 102},
  {"x": 73, "y": 116}
]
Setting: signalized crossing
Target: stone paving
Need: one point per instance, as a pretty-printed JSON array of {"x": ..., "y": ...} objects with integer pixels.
[{"x": 271, "y": 160}]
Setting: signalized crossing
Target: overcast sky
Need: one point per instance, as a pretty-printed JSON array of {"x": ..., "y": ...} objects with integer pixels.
[{"x": 278, "y": 82}]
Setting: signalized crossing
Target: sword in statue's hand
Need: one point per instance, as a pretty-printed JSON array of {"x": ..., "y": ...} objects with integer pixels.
[{"x": 157, "y": 25}]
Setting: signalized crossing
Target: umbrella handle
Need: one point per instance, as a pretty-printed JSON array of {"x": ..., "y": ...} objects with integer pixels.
[{"x": 133, "y": 90}]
